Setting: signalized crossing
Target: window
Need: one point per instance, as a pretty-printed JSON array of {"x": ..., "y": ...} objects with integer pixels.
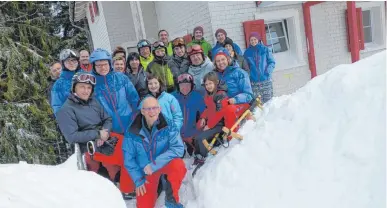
[
  {"x": 367, "y": 27},
  {"x": 374, "y": 25},
  {"x": 284, "y": 37},
  {"x": 277, "y": 36}
]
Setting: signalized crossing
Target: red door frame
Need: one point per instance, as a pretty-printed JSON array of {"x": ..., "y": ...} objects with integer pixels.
[{"x": 353, "y": 34}]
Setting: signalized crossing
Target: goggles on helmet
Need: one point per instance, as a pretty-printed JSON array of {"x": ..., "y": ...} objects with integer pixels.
[
  {"x": 184, "y": 78},
  {"x": 158, "y": 44},
  {"x": 178, "y": 42},
  {"x": 67, "y": 53},
  {"x": 194, "y": 49},
  {"x": 86, "y": 78},
  {"x": 143, "y": 43}
]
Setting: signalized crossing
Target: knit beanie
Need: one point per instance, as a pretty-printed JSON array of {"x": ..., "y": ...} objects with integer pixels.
[
  {"x": 256, "y": 35},
  {"x": 220, "y": 30}
]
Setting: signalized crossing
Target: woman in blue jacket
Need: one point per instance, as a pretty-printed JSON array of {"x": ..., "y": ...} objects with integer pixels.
[
  {"x": 170, "y": 107},
  {"x": 62, "y": 87},
  {"x": 192, "y": 105},
  {"x": 237, "y": 80},
  {"x": 261, "y": 62},
  {"x": 114, "y": 91}
]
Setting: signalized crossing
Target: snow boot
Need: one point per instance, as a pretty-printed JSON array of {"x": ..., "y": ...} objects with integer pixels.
[
  {"x": 129, "y": 196},
  {"x": 199, "y": 162},
  {"x": 173, "y": 205}
]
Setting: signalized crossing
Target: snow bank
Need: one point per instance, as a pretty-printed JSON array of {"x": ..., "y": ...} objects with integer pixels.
[
  {"x": 38, "y": 186},
  {"x": 323, "y": 146}
]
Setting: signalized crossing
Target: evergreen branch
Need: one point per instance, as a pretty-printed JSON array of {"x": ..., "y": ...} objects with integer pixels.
[
  {"x": 28, "y": 49},
  {"x": 1, "y": 5},
  {"x": 26, "y": 15}
]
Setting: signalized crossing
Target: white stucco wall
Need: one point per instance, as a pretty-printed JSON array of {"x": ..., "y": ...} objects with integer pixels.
[
  {"x": 284, "y": 81},
  {"x": 150, "y": 19},
  {"x": 119, "y": 21},
  {"x": 180, "y": 17},
  {"x": 98, "y": 29}
]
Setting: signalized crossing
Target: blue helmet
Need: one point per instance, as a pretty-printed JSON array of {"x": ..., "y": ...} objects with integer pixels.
[
  {"x": 222, "y": 50},
  {"x": 100, "y": 54}
]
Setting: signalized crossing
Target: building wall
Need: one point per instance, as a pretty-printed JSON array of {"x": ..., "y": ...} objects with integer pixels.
[
  {"x": 98, "y": 29},
  {"x": 119, "y": 21},
  {"x": 284, "y": 81},
  {"x": 150, "y": 19},
  {"x": 179, "y": 18},
  {"x": 330, "y": 35}
]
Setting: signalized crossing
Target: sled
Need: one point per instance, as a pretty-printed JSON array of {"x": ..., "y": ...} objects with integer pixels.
[
  {"x": 230, "y": 132},
  {"x": 81, "y": 162}
]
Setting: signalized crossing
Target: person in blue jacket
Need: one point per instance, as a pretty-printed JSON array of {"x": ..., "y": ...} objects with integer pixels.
[
  {"x": 262, "y": 63},
  {"x": 114, "y": 91},
  {"x": 237, "y": 80},
  {"x": 152, "y": 146},
  {"x": 62, "y": 87},
  {"x": 169, "y": 105},
  {"x": 221, "y": 37},
  {"x": 192, "y": 105}
]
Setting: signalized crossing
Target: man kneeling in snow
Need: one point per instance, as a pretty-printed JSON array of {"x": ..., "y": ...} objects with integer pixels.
[{"x": 152, "y": 147}]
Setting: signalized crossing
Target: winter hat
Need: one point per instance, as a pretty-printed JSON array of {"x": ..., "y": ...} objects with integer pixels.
[
  {"x": 220, "y": 30},
  {"x": 200, "y": 28},
  {"x": 228, "y": 41},
  {"x": 256, "y": 35},
  {"x": 222, "y": 51}
]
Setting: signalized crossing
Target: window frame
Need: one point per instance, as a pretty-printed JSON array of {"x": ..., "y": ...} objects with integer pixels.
[{"x": 282, "y": 21}]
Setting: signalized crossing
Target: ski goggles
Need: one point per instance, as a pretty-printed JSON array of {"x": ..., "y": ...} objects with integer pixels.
[
  {"x": 194, "y": 49},
  {"x": 158, "y": 44},
  {"x": 86, "y": 78},
  {"x": 143, "y": 43},
  {"x": 178, "y": 42},
  {"x": 184, "y": 78},
  {"x": 68, "y": 53}
]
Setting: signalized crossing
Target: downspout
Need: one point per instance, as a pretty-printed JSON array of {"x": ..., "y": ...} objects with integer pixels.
[
  {"x": 353, "y": 31},
  {"x": 309, "y": 36}
]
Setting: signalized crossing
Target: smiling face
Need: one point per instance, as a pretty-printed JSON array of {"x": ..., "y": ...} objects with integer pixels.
[
  {"x": 221, "y": 37},
  {"x": 134, "y": 64},
  {"x": 102, "y": 67},
  {"x": 145, "y": 52},
  {"x": 83, "y": 90},
  {"x": 71, "y": 64},
  {"x": 253, "y": 41},
  {"x": 84, "y": 57},
  {"x": 179, "y": 51},
  {"x": 221, "y": 62},
  {"x": 153, "y": 86},
  {"x": 198, "y": 35},
  {"x": 150, "y": 110},
  {"x": 163, "y": 36},
  {"x": 196, "y": 59},
  {"x": 185, "y": 88},
  {"x": 119, "y": 66},
  {"x": 160, "y": 52},
  {"x": 55, "y": 70},
  {"x": 209, "y": 85}
]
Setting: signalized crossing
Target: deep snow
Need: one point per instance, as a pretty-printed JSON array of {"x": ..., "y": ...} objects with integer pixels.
[{"x": 323, "y": 146}]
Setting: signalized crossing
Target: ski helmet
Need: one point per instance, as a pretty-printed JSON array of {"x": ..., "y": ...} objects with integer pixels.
[
  {"x": 83, "y": 77},
  {"x": 100, "y": 54},
  {"x": 144, "y": 43},
  {"x": 185, "y": 78},
  {"x": 177, "y": 42},
  {"x": 68, "y": 53},
  {"x": 194, "y": 49}
]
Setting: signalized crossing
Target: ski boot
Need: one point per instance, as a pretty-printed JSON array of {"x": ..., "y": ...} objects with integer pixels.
[{"x": 107, "y": 148}]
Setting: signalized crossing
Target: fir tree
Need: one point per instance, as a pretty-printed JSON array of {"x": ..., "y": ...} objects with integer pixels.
[{"x": 29, "y": 39}]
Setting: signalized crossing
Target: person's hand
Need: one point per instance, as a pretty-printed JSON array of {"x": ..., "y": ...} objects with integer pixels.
[
  {"x": 206, "y": 128},
  {"x": 202, "y": 122},
  {"x": 100, "y": 142},
  {"x": 141, "y": 190},
  {"x": 232, "y": 101},
  {"x": 104, "y": 133},
  {"x": 148, "y": 170}
]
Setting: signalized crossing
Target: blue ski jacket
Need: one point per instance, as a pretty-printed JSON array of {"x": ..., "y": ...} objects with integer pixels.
[{"x": 261, "y": 62}]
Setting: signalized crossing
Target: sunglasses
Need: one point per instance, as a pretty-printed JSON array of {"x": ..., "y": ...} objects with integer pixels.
[
  {"x": 184, "y": 78},
  {"x": 194, "y": 48},
  {"x": 86, "y": 78},
  {"x": 151, "y": 109},
  {"x": 178, "y": 42}
]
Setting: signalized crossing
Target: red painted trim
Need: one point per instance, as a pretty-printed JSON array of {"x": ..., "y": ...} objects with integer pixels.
[
  {"x": 353, "y": 31},
  {"x": 309, "y": 36}
]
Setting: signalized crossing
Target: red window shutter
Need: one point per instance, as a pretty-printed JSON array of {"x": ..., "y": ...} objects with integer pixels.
[
  {"x": 359, "y": 17},
  {"x": 254, "y": 26},
  {"x": 187, "y": 38},
  {"x": 91, "y": 13},
  {"x": 95, "y": 7}
]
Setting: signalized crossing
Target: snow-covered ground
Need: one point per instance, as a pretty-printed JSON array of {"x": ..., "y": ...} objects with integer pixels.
[{"x": 323, "y": 146}]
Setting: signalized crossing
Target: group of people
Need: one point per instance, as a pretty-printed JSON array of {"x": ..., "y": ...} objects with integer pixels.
[{"x": 160, "y": 103}]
